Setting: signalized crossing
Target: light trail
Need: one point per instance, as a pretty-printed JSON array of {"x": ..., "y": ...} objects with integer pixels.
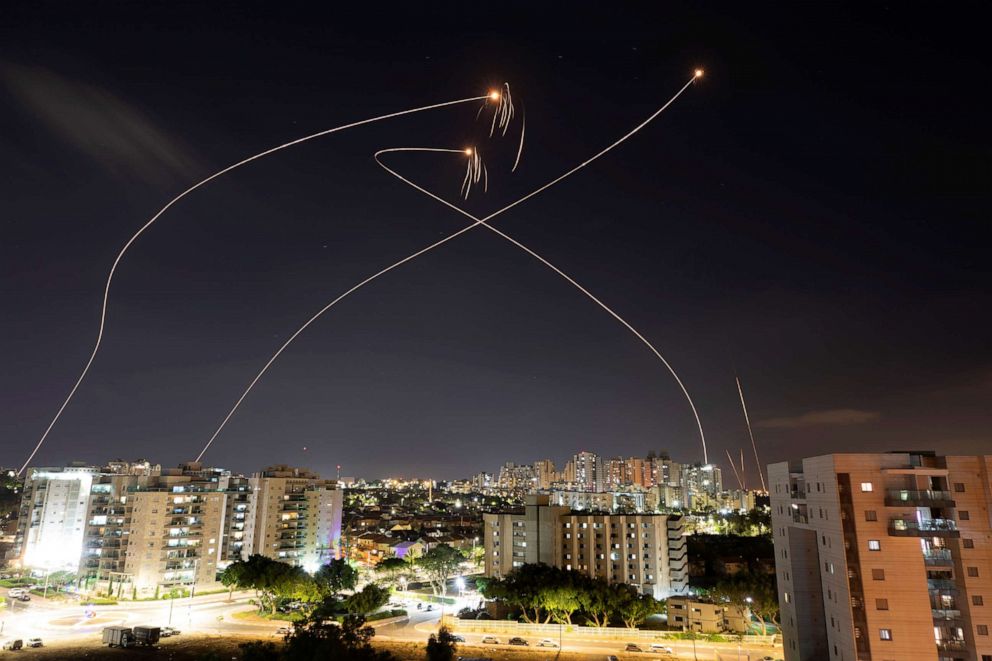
[
  {"x": 520, "y": 149},
  {"x": 134, "y": 237},
  {"x": 733, "y": 466},
  {"x": 754, "y": 446},
  {"x": 454, "y": 235},
  {"x": 568, "y": 278}
]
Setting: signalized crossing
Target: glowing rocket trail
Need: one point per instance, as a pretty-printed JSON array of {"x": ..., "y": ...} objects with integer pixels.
[
  {"x": 520, "y": 149},
  {"x": 754, "y": 446},
  {"x": 733, "y": 466},
  {"x": 134, "y": 237},
  {"x": 564, "y": 275},
  {"x": 477, "y": 222}
]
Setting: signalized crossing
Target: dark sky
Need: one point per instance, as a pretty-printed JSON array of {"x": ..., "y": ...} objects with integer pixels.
[{"x": 813, "y": 215}]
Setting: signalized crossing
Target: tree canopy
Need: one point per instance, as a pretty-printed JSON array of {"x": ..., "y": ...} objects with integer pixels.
[{"x": 439, "y": 565}]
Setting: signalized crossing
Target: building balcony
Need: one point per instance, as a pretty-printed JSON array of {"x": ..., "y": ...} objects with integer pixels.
[
  {"x": 952, "y": 644},
  {"x": 899, "y": 527},
  {"x": 928, "y": 498},
  {"x": 945, "y": 614},
  {"x": 937, "y": 558},
  {"x": 942, "y": 586}
]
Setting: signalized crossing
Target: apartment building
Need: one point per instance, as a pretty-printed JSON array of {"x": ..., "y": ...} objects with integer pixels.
[
  {"x": 52, "y": 517},
  {"x": 174, "y": 538},
  {"x": 644, "y": 550},
  {"x": 884, "y": 556},
  {"x": 296, "y": 517},
  {"x": 704, "y": 616}
]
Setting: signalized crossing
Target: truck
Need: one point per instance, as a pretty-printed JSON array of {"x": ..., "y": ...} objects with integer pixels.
[
  {"x": 147, "y": 636},
  {"x": 131, "y": 637},
  {"x": 117, "y": 636}
]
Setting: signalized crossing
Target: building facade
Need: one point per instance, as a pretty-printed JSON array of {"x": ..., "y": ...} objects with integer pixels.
[
  {"x": 647, "y": 551},
  {"x": 884, "y": 556}
]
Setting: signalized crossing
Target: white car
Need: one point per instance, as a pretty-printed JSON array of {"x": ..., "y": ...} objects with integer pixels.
[
  {"x": 661, "y": 647},
  {"x": 490, "y": 640},
  {"x": 34, "y": 642},
  {"x": 169, "y": 631},
  {"x": 283, "y": 631},
  {"x": 547, "y": 642}
]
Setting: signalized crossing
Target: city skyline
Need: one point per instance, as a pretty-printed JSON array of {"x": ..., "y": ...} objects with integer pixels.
[{"x": 795, "y": 221}]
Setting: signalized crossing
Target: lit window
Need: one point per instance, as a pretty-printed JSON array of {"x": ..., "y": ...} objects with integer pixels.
[
  {"x": 885, "y": 634},
  {"x": 866, "y": 486},
  {"x": 874, "y": 545}
]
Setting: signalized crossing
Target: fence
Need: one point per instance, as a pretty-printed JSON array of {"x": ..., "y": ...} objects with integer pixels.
[{"x": 507, "y": 628}]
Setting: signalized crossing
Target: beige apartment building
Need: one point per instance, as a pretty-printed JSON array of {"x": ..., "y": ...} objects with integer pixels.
[
  {"x": 702, "y": 616},
  {"x": 884, "y": 556},
  {"x": 296, "y": 517},
  {"x": 647, "y": 551},
  {"x": 175, "y": 537}
]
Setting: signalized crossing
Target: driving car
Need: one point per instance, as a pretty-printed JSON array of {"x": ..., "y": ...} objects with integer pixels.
[
  {"x": 169, "y": 631},
  {"x": 547, "y": 642},
  {"x": 34, "y": 642},
  {"x": 661, "y": 647},
  {"x": 490, "y": 640},
  {"x": 517, "y": 640},
  {"x": 283, "y": 631},
  {"x": 458, "y": 639},
  {"x": 632, "y": 647}
]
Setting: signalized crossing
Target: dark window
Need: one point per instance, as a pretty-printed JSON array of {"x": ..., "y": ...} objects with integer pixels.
[
  {"x": 983, "y": 629},
  {"x": 976, "y": 600},
  {"x": 871, "y": 515},
  {"x": 959, "y": 487},
  {"x": 973, "y": 572},
  {"x": 878, "y": 574},
  {"x": 882, "y": 604},
  {"x": 964, "y": 515},
  {"x": 968, "y": 543}
]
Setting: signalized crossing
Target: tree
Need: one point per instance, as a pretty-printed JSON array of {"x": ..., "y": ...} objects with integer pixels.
[
  {"x": 750, "y": 592},
  {"x": 631, "y": 607},
  {"x": 441, "y": 646},
  {"x": 319, "y": 639},
  {"x": 440, "y": 564},
  {"x": 335, "y": 577},
  {"x": 271, "y": 580},
  {"x": 370, "y": 599},
  {"x": 391, "y": 570},
  {"x": 596, "y": 601}
]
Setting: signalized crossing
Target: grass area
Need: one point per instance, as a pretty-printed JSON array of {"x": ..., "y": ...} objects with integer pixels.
[
  {"x": 15, "y": 582},
  {"x": 277, "y": 617}
]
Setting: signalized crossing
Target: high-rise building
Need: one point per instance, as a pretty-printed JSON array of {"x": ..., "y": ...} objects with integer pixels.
[
  {"x": 295, "y": 517},
  {"x": 544, "y": 474},
  {"x": 884, "y": 556},
  {"x": 701, "y": 485},
  {"x": 590, "y": 471},
  {"x": 647, "y": 551},
  {"x": 516, "y": 477},
  {"x": 52, "y": 518}
]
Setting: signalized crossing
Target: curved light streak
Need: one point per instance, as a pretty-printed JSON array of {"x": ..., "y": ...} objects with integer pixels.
[
  {"x": 754, "y": 446},
  {"x": 568, "y": 278},
  {"x": 134, "y": 237},
  {"x": 455, "y": 235}
]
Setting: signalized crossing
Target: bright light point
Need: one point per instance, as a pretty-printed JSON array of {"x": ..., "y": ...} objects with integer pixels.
[
  {"x": 699, "y": 73},
  {"x": 494, "y": 95},
  {"x": 468, "y": 152}
]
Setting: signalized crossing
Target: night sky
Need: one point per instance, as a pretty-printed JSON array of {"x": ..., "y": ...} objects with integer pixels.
[{"x": 812, "y": 216}]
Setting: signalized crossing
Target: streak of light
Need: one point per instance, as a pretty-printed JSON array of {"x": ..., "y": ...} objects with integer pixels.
[
  {"x": 134, "y": 237},
  {"x": 734, "y": 467},
  {"x": 474, "y": 171},
  {"x": 754, "y": 446},
  {"x": 520, "y": 149},
  {"x": 454, "y": 235}
]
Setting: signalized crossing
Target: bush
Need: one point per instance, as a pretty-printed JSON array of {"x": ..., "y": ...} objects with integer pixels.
[{"x": 382, "y": 615}]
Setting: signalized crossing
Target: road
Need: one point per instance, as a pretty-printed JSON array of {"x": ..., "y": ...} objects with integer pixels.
[{"x": 213, "y": 614}]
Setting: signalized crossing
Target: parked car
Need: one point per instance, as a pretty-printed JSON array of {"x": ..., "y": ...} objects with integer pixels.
[
  {"x": 14, "y": 644},
  {"x": 283, "y": 631},
  {"x": 490, "y": 640},
  {"x": 632, "y": 647},
  {"x": 34, "y": 642},
  {"x": 458, "y": 639},
  {"x": 430, "y": 607},
  {"x": 23, "y": 597},
  {"x": 661, "y": 647},
  {"x": 547, "y": 642},
  {"x": 612, "y": 658},
  {"x": 169, "y": 631},
  {"x": 517, "y": 640}
]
